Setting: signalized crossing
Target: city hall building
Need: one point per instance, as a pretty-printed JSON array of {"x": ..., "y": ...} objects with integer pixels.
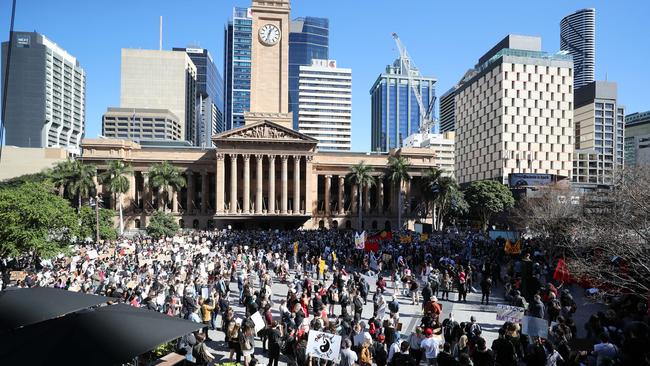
[{"x": 264, "y": 174}]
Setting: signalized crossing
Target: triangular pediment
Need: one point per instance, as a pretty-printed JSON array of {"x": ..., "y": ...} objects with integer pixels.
[{"x": 264, "y": 131}]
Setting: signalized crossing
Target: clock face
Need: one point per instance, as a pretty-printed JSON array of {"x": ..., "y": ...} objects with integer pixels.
[{"x": 269, "y": 34}]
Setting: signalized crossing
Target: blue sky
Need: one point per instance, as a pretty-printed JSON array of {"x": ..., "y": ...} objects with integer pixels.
[{"x": 445, "y": 38}]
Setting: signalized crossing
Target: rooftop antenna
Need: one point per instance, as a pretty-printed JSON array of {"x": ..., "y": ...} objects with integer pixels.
[{"x": 160, "y": 37}]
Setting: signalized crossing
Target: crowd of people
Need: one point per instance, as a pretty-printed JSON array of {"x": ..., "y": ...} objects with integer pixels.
[{"x": 222, "y": 278}]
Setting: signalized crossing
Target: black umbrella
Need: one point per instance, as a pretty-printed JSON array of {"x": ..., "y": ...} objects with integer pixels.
[
  {"x": 109, "y": 335},
  {"x": 21, "y": 307}
]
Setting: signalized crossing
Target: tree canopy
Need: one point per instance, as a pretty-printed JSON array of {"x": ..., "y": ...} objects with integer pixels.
[
  {"x": 88, "y": 228},
  {"x": 487, "y": 198},
  {"x": 35, "y": 222},
  {"x": 162, "y": 224}
]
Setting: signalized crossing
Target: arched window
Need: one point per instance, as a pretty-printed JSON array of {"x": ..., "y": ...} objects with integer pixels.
[
  {"x": 321, "y": 224},
  {"x": 181, "y": 223},
  {"x": 387, "y": 225},
  {"x": 335, "y": 224},
  {"x": 195, "y": 224},
  {"x": 374, "y": 224},
  {"x": 137, "y": 223},
  {"x": 348, "y": 224}
]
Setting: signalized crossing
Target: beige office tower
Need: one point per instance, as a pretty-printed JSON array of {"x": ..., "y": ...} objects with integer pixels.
[
  {"x": 155, "y": 79},
  {"x": 514, "y": 113}
]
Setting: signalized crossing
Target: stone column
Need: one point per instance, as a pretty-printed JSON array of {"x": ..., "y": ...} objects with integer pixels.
[
  {"x": 220, "y": 183},
  {"x": 285, "y": 184},
  {"x": 308, "y": 188},
  {"x": 380, "y": 195},
  {"x": 146, "y": 191},
  {"x": 341, "y": 201},
  {"x": 233, "y": 183},
  {"x": 129, "y": 197},
  {"x": 296, "y": 184},
  {"x": 355, "y": 199},
  {"x": 328, "y": 188},
  {"x": 366, "y": 199},
  {"x": 189, "y": 206},
  {"x": 175, "y": 201},
  {"x": 271, "y": 184},
  {"x": 258, "y": 181},
  {"x": 246, "y": 204},
  {"x": 204, "y": 192}
]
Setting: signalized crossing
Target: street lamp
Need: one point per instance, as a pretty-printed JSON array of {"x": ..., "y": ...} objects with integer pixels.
[{"x": 95, "y": 202}]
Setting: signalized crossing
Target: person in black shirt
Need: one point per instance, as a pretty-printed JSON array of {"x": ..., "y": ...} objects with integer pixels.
[
  {"x": 504, "y": 350},
  {"x": 445, "y": 358},
  {"x": 274, "y": 335}
]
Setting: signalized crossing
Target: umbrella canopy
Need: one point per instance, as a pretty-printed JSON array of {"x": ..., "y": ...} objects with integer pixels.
[
  {"x": 109, "y": 335},
  {"x": 21, "y": 307}
]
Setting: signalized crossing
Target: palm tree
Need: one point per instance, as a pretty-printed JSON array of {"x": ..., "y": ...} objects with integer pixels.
[
  {"x": 442, "y": 190},
  {"x": 82, "y": 183},
  {"x": 360, "y": 174},
  {"x": 166, "y": 178},
  {"x": 62, "y": 175},
  {"x": 397, "y": 173},
  {"x": 115, "y": 178}
]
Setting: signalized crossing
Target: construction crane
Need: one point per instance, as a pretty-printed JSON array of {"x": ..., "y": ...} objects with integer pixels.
[{"x": 427, "y": 121}]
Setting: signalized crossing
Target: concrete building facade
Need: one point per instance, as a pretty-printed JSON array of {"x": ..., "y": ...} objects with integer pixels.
[
  {"x": 308, "y": 40},
  {"x": 637, "y": 139},
  {"x": 515, "y": 114},
  {"x": 325, "y": 104},
  {"x": 140, "y": 124},
  {"x": 46, "y": 94},
  {"x": 599, "y": 135},
  {"x": 161, "y": 80}
]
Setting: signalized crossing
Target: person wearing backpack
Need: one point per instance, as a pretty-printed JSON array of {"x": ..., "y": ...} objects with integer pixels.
[{"x": 200, "y": 351}]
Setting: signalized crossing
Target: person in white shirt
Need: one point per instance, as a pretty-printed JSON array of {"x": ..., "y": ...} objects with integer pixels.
[
  {"x": 394, "y": 348},
  {"x": 430, "y": 346}
]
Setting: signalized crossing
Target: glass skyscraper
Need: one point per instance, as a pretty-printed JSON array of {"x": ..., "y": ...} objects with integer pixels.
[
  {"x": 308, "y": 40},
  {"x": 237, "y": 67},
  {"x": 209, "y": 94},
  {"x": 395, "y": 113},
  {"x": 578, "y": 37}
]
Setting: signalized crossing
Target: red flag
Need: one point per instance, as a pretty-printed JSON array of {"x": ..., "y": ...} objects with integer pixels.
[
  {"x": 561, "y": 272},
  {"x": 372, "y": 244}
]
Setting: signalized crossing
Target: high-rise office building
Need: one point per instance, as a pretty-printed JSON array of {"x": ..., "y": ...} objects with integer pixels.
[
  {"x": 637, "y": 139},
  {"x": 209, "y": 95},
  {"x": 308, "y": 40},
  {"x": 141, "y": 124},
  {"x": 515, "y": 114},
  {"x": 395, "y": 113},
  {"x": 325, "y": 104},
  {"x": 447, "y": 111},
  {"x": 599, "y": 135},
  {"x": 161, "y": 80},
  {"x": 578, "y": 38},
  {"x": 46, "y": 94},
  {"x": 237, "y": 67}
]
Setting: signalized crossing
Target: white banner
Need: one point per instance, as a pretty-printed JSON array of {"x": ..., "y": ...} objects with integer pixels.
[
  {"x": 534, "y": 327},
  {"x": 360, "y": 240},
  {"x": 324, "y": 345},
  {"x": 259, "y": 322},
  {"x": 507, "y": 313}
]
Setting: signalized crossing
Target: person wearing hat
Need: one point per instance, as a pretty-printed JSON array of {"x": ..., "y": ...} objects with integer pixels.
[{"x": 430, "y": 346}]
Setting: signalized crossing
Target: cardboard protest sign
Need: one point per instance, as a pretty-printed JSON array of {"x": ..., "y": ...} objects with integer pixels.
[
  {"x": 259, "y": 322},
  {"x": 92, "y": 254},
  {"x": 17, "y": 276},
  {"x": 324, "y": 345},
  {"x": 360, "y": 240},
  {"x": 534, "y": 327},
  {"x": 507, "y": 313},
  {"x": 205, "y": 292},
  {"x": 132, "y": 284}
]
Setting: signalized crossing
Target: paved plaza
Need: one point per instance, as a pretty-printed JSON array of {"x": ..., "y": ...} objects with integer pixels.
[{"x": 410, "y": 315}]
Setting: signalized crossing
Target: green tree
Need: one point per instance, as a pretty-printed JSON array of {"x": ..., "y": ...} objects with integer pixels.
[
  {"x": 35, "y": 222},
  {"x": 88, "y": 226},
  {"x": 40, "y": 177},
  {"x": 115, "y": 179},
  {"x": 166, "y": 178},
  {"x": 487, "y": 198},
  {"x": 361, "y": 175},
  {"x": 444, "y": 194},
  {"x": 397, "y": 174},
  {"x": 162, "y": 224},
  {"x": 76, "y": 179},
  {"x": 62, "y": 176}
]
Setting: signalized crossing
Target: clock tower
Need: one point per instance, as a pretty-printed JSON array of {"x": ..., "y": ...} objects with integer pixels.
[{"x": 269, "y": 98}]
